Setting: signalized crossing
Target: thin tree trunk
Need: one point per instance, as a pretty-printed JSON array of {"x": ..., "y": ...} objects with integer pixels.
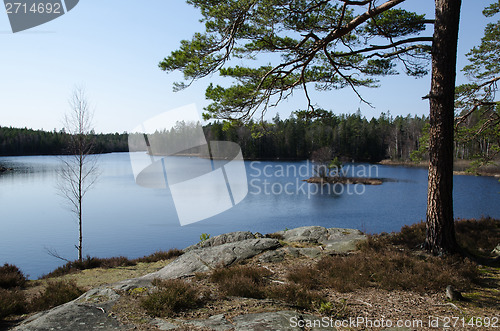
[
  {"x": 80, "y": 197},
  {"x": 440, "y": 227}
]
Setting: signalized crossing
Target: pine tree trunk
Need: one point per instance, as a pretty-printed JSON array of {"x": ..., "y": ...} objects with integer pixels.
[{"x": 440, "y": 228}]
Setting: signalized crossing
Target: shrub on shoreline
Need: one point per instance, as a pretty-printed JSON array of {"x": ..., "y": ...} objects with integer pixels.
[
  {"x": 160, "y": 256},
  {"x": 55, "y": 294},
  {"x": 11, "y": 277},
  {"x": 111, "y": 262}
]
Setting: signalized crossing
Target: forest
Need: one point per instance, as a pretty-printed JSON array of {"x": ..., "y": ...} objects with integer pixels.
[
  {"x": 16, "y": 141},
  {"x": 351, "y": 137}
]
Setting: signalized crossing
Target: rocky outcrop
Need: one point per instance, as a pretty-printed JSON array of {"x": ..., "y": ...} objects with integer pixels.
[
  {"x": 335, "y": 240},
  {"x": 225, "y": 238},
  {"x": 88, "y": 312},
  {"x": 91, "y": 310},
  {"x": 201, "y": 260},
  {"x": 277, "y": 320}
]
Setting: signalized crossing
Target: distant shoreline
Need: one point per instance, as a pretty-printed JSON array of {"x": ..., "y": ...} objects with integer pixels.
[{"x": 459, "y": 167}]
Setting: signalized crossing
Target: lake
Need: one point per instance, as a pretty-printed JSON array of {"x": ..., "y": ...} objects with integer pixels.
[{"x": 123, "y": 218}]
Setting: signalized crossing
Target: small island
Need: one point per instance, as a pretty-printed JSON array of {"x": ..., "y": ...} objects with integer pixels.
[
  {"x": 344, "y": 180},
  {"x": 329, "y": 170}
]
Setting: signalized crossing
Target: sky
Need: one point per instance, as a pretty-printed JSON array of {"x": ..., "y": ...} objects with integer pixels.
[{"x": 112, "y": 49}]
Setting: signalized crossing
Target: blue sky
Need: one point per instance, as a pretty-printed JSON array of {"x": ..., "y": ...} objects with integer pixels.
[{"x": 113, "y": 48}]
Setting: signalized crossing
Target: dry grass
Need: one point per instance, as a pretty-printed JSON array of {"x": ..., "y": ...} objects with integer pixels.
[
  {"x": 296, "y": 296},
  {"x": 390, "y": 265},
  {"x": 111, "y": 262},
  {"x": 395, "y": 270}
]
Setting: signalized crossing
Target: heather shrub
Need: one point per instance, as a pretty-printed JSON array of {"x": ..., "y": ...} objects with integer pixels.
[
  {"x": 12, "y": 302},
  {"x": 242, "y": 281},
  {"x": 171, "y": 297},
  {"x": 11, "y": 276},
  {"x": 55, "y": 294}
]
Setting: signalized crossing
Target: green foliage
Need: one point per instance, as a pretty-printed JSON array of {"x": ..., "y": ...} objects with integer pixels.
[
  {"x": 320, "y": 44},
  {"x": 171, "y": 297},
  {"x": 11, "y": 277},
  {"x": 204, "y": 236},
  {"x": 25, "y": 141},
  {"x": 338, "y": 310},
  {"x": 485, "y": 58},
  {"x": 478, "y": 110},
  {"x": 423, "y": 145},
  {"x": 396, "y": 23},
  {"x": 335, "y": 166},
  {"x": 12, "y": 302}
]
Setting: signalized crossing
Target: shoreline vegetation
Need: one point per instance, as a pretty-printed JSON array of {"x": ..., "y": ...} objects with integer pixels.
[
  {"x": 460, "y": 167},
  {"x": 383, "y": 271}
]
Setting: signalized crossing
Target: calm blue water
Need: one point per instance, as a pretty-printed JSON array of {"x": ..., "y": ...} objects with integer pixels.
[{"x": 122, "y": 218}]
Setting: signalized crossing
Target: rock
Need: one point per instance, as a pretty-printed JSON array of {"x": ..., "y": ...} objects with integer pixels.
[
  {"x": 88, "y": 312},
  {"x": 342, "y": 240},
  {"x": 129, "y": 284},
  {"x": 292, "y": 251},
  {"x": 272, "y": 256},
  {"x": 311, "y": 234},
  {"x": 225, "y": 238},
  {"x": 201, "y": 260},
  {"x": 216, "y": 322},
  {"x": 279, "y": 320},
  {"x": 312, "y": 252},
  {"x": 163, "y": 325},
  {"x": 334, "y": 233},
  {"x": 496, "y": 251},
  {"x": 335, "y": 240},
  {"x": 453, "y": 295}
]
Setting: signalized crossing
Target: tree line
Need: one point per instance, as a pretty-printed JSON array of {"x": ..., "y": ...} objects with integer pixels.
[
  {"x": 349, "y": 136},
  {"x": 24, "y": 141}
]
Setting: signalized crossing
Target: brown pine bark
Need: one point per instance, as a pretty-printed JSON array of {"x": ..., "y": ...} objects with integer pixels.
[{"x": 440, "y": 227}]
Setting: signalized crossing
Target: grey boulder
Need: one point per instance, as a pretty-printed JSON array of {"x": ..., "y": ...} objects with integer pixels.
[
  {"x": 224, "y": 238},
  {"x": 201, "y": 260},
  {"x": 88, "y": 312}
]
